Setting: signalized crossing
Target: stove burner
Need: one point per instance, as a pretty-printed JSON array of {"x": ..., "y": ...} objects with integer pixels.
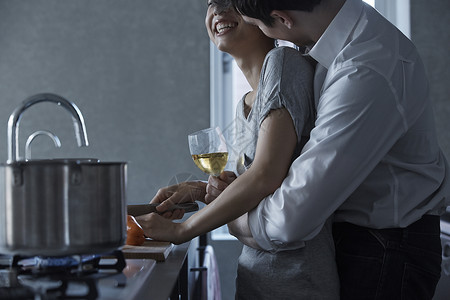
[
  {"x": 70, "y": 264},
  {"x": 73, "y": 277}
]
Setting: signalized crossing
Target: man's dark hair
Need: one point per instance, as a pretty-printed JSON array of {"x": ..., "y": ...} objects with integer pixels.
[{"x": 261, "y": 9}]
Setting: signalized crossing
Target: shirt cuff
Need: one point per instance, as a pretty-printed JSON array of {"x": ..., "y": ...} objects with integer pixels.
[
  {"x": 258, "y": 223},
  {"x": 257, "y": 231}
]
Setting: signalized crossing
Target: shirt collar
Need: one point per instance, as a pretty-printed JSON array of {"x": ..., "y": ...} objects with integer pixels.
[{"x": 336, "y": 35}]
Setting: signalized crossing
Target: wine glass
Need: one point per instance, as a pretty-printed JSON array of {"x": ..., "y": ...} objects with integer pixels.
[{"x": 209, "y": 150}]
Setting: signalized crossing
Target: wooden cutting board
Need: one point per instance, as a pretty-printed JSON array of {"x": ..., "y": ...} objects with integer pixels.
[{"x": 151, "y": 249}]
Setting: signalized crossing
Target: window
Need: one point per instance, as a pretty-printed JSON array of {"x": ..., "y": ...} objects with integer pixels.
[
  {"x": 371, "y": 2},
  {"x": 228, "y": 84},
  {"x": 397, "y": 12}
]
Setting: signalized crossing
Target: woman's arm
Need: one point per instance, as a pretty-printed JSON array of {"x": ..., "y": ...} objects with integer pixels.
[
  {"x": 275, "y": 147},
  {"x": 239, "y": 227}
]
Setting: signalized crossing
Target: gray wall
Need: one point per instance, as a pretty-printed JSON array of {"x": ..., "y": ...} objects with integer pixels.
[
  {"x": 430, "y": 23},
  {"x": 138, "y": 70}
]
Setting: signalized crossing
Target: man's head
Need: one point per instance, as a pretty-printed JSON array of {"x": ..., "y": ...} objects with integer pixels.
[
  {"x": 301, "y": 22},
  {"x": 262, "y": 9}
]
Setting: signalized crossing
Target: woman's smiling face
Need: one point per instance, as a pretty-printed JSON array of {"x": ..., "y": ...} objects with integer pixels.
[{"x": 226, "y": 27}]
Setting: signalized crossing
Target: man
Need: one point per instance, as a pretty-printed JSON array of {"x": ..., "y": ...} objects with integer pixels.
[{"x": 372, "y": 159}]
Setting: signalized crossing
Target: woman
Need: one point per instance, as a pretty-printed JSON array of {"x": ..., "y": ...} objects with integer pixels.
[{"x": 273, "y": 122}]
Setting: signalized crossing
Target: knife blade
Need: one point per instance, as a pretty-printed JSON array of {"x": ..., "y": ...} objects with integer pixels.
[{"x": 142, "y": 209}]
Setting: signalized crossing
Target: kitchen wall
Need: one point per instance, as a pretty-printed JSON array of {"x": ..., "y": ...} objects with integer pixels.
[{"x": 138, "y": 71}]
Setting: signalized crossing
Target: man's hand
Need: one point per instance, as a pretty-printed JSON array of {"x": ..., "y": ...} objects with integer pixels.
[
  {"x": 216, "y": 185},
  {"x": 240, "y": 229}
]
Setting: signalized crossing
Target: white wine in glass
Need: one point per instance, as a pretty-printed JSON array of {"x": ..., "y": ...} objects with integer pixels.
[{"x": 209, "y": 150}]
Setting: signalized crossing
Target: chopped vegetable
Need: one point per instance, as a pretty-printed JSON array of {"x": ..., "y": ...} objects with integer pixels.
[{"x": 135, "y": 233}]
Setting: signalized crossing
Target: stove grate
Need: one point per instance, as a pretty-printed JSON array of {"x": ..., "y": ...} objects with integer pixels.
[{"x": 74, "y": 277}]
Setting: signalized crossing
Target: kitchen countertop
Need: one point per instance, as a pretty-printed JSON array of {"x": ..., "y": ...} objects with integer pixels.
[{"x": 164, "y": 276}]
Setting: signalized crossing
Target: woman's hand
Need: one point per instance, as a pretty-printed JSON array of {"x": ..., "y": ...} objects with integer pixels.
[
  {"x": 161, "y": 229},
  {"x": 216, "y": 185},
  {"x": 189, "y": 191}
]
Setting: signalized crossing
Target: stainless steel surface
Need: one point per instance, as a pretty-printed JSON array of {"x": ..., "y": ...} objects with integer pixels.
[
  {"x": 142, "y": 209},
  {"x": 169, "y": 276},
  {"x": 14, "y": 119},
  {"x": 34, "y": 135},
  {"x": 137, "y": 273},
  {"x": 60, "y": 206}
]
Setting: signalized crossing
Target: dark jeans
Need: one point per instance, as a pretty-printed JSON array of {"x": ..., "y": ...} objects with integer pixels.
[{"x": 384, "y": 264}]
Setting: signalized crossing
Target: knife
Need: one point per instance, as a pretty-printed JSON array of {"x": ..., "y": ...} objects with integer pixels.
[{"x": 142, "y": 209}]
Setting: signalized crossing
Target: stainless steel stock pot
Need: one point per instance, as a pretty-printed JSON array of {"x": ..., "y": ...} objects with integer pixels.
[
  {"x": 62, "y": 207},
  {"x": 56, "y": 207}
]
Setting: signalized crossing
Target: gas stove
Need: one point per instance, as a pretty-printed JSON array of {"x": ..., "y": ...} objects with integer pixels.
[{"x": 106, "y": 276}]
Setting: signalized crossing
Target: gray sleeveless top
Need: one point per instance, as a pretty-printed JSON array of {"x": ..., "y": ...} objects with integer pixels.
[
  {"x": 286, "y": 80},
  {"x": 309, "y": 272}
]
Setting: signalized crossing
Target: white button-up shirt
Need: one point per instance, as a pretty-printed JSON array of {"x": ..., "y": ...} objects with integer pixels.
[{"x": 373, "y": 158}]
